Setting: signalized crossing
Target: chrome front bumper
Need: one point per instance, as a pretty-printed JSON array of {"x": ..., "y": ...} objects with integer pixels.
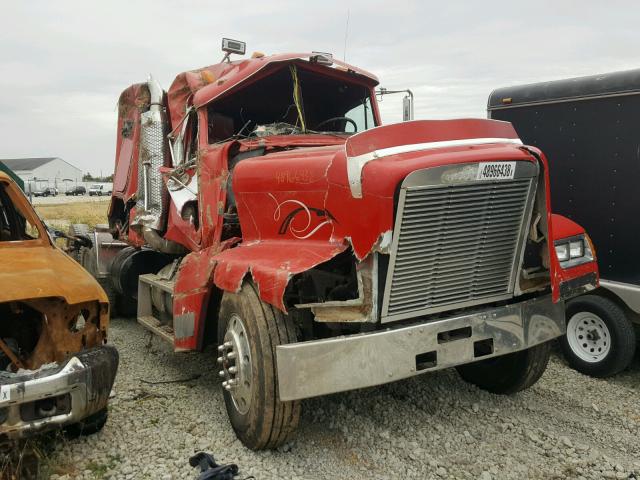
[
  {"x": 56, "y": 397},
  {"x": 320, "y": 367}
]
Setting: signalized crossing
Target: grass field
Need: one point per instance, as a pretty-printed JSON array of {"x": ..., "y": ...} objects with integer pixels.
[{"x": 65, "y": 214}]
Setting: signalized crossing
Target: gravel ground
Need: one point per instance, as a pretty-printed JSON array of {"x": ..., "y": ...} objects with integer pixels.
[{"x": 432, "y": 426}]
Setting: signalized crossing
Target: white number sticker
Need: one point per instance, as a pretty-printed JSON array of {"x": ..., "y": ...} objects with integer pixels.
[
  {"x": 5, "y": 393},
  {"x": 496, "y": 171}
]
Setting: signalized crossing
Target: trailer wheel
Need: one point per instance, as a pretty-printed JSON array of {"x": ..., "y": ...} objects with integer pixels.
[
  {"x": 77, "y": 230},
  {"x": 89, "y": 262},
  {"x": 600, "y": 339},
  {"x": 249, "y": 331},
  {"x": 509, "y": 373}
]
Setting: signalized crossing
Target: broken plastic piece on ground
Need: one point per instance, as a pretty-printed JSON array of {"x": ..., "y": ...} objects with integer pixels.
[{"x": 210, "y": 470}]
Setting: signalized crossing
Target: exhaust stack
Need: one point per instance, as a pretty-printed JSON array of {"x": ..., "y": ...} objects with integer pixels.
[{"x": 152, "y": 195}]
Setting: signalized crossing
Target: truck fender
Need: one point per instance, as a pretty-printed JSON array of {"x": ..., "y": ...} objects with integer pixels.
[
  {"x": 271, "y": 265},
  {"x": 193, "y": 294},
  {"x": 563, "y": 227},
  {"x": 205, "y": 274}
]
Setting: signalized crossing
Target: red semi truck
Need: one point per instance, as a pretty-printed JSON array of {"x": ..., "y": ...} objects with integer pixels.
[{"x": 260, "y": 205}]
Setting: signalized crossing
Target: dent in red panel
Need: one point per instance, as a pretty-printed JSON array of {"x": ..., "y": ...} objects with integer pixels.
[
  {"x": 271, "y": 265},
  {"x": 193, "y": 289}
]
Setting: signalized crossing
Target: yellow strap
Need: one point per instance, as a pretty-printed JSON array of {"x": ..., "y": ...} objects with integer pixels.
[{"x": 296, "y": 96}]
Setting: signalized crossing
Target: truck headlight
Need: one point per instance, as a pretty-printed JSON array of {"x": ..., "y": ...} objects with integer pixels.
[
  {"x": 574, "y": 251},
  {"x": 562, "y": 251}
]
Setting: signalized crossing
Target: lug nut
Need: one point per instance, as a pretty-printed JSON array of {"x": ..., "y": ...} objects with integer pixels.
[
  {"x": 227, "y": 388},
  {"x": 225, "y": 383},
  {"x": 220, "y": 360},
  {"x": 221, "y": 373},
  {"x": 227, "y": 344},
  {"x": 233, "y": 369},
  {"x": 220, "y": 348},
  {"x": 231, "y": 355}
]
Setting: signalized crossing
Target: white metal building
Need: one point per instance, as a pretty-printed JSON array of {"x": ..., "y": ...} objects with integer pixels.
[{"x": 39, "y": 173}]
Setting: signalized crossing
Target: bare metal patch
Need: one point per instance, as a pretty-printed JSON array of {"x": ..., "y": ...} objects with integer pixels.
[{"x": 184, "y": 325}]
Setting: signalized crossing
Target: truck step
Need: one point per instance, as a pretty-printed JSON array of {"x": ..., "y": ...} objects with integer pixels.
[
  {"x": 153, "y": 324},
  {"x": 146, "y": 284},
  {"x": 156, "y": 281}
]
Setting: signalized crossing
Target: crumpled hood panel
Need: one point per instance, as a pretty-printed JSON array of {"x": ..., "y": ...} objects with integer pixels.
[{"x": 42, "y": 271}]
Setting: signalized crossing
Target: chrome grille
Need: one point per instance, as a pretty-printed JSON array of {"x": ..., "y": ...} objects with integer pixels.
[{"x": 457, "y": 245}]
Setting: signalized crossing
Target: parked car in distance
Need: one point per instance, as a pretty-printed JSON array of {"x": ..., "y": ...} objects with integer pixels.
[
  {"x": 46, "y": 192},
  {"x": 55, "y": 369},
  {"x": 97, "y": 189},
  {"x": 78, "y": 190}
]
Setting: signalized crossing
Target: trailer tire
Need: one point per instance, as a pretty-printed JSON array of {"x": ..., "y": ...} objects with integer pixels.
[
  {"x": 508, "y": 373},
  {"x": 254, "y": 329},
  {"x": 77, "y": 230},
  {"x": 88, "y": 261},
  {"x": 608, "y": 320}
]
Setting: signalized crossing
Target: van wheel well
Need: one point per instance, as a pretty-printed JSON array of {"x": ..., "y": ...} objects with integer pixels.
[{"x": 608, "y": 294}]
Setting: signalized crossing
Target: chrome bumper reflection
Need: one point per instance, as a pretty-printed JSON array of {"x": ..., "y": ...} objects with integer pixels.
[
  {"x": 320, "y": 367},
  {"x": 72, "y": 392}
]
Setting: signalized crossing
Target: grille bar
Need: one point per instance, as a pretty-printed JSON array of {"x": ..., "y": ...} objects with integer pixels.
[{"x": 456, "y": 244}]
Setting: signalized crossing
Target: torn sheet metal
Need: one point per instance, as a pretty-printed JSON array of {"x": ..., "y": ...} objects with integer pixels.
[
  {"x": 201, "y": 86},
  {"x": 271, "y": 265},
  {"x": 363, "y": 309},
  {"x": 192, "y": 293},
  {"x": 68, "y": 328}
]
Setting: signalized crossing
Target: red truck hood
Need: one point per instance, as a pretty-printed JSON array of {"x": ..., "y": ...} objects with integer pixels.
[
  {"x": 322, "y": 200},
  {"x": 345, "y": 193}
]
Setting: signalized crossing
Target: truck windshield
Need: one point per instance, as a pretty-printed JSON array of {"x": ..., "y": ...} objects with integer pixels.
[{"x": 292, "y": 100}]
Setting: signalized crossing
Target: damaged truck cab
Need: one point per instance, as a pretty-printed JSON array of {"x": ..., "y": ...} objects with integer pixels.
[
  {"x": 260, "y": 205},
  {"x": 55, "y": 369}
]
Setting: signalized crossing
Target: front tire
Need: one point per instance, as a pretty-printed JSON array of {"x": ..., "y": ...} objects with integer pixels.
[
  {"x": 600, "y": 339},
  {"x": 249, "y": 331},
  {"x": 509, "y": 373}
]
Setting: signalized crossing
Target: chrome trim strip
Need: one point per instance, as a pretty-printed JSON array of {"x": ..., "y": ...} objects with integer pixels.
[
  {"x": 320, "y": 367},
  {"x": 356, "y": 164},
  {"x": 524, "y": 231},
  {"x": 87, "y": 378}
]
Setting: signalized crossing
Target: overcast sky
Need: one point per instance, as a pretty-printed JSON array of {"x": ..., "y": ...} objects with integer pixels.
[{"x": 63, "y": 64}]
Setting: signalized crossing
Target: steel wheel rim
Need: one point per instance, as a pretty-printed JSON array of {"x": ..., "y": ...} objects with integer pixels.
[
  {"x": 235, "y": 359},
  {"x": 589, "y": 337}
]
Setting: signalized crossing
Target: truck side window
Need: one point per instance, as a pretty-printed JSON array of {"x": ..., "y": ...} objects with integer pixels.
[
  {"x": 13, "y": 224},
  {"x": 192, "y": 132},
  {"x": 362, "y": 115}
]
